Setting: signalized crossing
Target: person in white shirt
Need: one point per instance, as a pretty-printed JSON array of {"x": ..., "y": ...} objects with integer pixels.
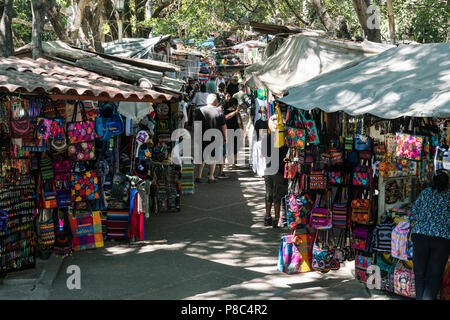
[
  {"x": 220, "y": 79},
  {"x": 200, "y": 97}
]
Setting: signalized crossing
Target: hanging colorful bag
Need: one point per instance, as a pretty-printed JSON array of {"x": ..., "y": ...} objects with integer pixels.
[
  {"x": 362, "y": 142},
  {"x": 362, "y": 263},
  {"x": 295, "y": 253},
  {"x": 361, "y": 239},
  {"x": 317, "y": 180},
  {"x": 44, "y": 128},
  {"x": 340, "y": 209},
  {"x": 399, "y": 239},
  {"x": 323, "y": 258},
  {"x": 312, "y": 136},
  {"x": 336, "y": 177},
  {"x": 348, "y": 143},
  {"x": 280, "y": 131},
  {"x": 361, "y": 209},
  {"x": 19, "y": 119},
  {"x": 408, "y": 146},
  {"x": 86, "y": 229},
  {"x": 362, "y": 176},
  {"x": 84, "y": 186},
  {"x": 404, "y": 281},
  {"x": 84, "y": 151},
  {"x": 321, "y": 218},
  {"x": 46, "y": 229},
  {"x": 80, "y": 131},
  {"x": 295, "y": 135}
]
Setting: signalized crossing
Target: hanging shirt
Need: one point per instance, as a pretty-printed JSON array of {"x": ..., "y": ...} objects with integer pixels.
[{"x": 431, "y": 213}]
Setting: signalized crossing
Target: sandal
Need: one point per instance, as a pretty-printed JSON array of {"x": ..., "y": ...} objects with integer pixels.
[
  {"x": 211, "y": 180},
  {"x": 268, "y": 221}
]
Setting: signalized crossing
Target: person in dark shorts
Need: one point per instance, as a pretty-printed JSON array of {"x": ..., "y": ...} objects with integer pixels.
[
  {"x": 276, "y": 184},
  {"x": 211, "y": 117}
]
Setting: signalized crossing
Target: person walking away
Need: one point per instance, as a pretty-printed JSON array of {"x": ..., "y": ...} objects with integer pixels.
[
  {"x": 233, "y": 86},
  {"x": 431, "y": 236},
  {"x": 276, "y": 185},
  {"x": 221, "y": 95},
  {"x": 200, "y": 97},
  {"x": 211, "y": 86},
  {"x": 211, "y": 117},
  {"x": 231, "y": 117}
]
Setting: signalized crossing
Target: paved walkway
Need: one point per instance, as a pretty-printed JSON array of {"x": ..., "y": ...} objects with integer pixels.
[{"x": 216, "y": 247}]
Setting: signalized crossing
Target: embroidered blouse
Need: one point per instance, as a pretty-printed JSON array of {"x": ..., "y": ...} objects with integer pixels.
[{"x": 431, "y": 213}]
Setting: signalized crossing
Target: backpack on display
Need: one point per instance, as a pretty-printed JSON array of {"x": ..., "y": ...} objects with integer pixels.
[
  {"x": 111, "y": 123},
  {"x": 340, "y": 209},
  {"x": 399, "y": 240},
  {"x": 382, "y": 235}
]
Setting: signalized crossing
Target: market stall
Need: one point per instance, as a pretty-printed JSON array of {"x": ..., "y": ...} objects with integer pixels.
[
  {"x": 76, "y": 168},
  {"x": 360, "y": 153}
]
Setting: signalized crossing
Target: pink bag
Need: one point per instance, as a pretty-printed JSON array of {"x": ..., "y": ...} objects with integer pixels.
[
  {"x": 321, "y": 218},
  {"x": 404, "y": 281},
  {"x": 80, "y": 131}
]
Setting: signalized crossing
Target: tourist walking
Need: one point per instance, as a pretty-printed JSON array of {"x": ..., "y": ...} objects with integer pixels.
[{"x": 210, "y": 117}]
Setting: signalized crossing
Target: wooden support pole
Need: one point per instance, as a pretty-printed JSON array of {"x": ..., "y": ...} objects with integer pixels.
[{"x": 391, "y": 21}]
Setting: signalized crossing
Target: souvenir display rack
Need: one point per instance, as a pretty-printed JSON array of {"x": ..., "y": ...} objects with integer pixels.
[
  {"x": 383, "y": 164},
  {"x": 69, "y": 172}
]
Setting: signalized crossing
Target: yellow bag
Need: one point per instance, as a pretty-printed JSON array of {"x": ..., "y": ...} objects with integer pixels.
[{"x": 279, "y": 134}]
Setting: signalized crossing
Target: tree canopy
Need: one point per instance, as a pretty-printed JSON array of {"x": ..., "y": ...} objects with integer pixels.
[{"x": 94, "y": 21}]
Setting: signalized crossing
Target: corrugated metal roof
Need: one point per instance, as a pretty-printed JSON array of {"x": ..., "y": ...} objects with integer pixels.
[
  {"x": 34, "y": 76},
  {"x": 134, "y": 47}
]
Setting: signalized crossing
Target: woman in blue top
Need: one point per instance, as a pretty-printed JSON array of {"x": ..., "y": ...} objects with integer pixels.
[{"x": 431, "y": 237}]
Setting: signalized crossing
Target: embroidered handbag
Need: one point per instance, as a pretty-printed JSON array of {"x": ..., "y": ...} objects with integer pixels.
[
  {"x": 317, "y": 180},
  {"x": 295, "y": 254},
  {"x": 362, "y": 263},
  {"x": 408, "y": 146},
  {"x": 340, "y": 209},
  {"x": 19, "y": 119},
  {"x": 323, "y": 258},
  {"x": 62, "y": 169},
  {"x": 362, "y": 176},
  {"x": 44, "y": 128},
  {"x": 336, "y": 177},
  {"x": 321, "y": 218},
  {"x": 295, "y": 135},
  {"x": 298, "y": 207},
  {"x": 312, "y": 136},
  {"x": 404, "y": 281},
  {"x": 64, "y": 198},
  {"x": 84, "y": 186},
  {"x": 336, "y": 158},
  {"x": 86, "y": 229},
  {"x": 361, "y": 239},
  {"x": 399, "y": 239},
  {"x": 361, "y": 211},
  {"x": 362, "y": 142},
  {"x": 80, "y": 131},
  {"x": 83, "y": 151}
]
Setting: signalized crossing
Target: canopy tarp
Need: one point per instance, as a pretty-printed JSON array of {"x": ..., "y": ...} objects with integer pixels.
[
  {"x": 412, "y": 80},
  {"x": 303, "y": 57}
]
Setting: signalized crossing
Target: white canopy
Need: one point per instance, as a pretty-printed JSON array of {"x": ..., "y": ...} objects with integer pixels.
[
  {"x": 303, "y": 57},
  {"x": 412, "y": 80}
]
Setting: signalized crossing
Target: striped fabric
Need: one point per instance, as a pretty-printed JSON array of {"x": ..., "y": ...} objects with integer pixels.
[
  {"x": 382, "y": 237},
  {"x": 399, "y": 238},
  {"x": 117, "y": 223},
  {"x": 187, "y": 179},
  {"x": 340, "y": 215}
]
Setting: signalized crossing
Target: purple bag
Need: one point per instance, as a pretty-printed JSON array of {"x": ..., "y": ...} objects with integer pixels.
[{"x": 321, "y": 218}]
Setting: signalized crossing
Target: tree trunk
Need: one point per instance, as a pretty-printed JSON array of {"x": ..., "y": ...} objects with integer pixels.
[
  {"x": 368, "y": 22},
  {"x": 37, "y": 10},
  {"x": 126, "y": 21},
  {"x": 60, "y": 28},
  {"x": 109, "y": 12},
  {"x": 6, "y": 37},
  {"x": 77, "y": 23},
  {"x": 141, "y": 31},
  {"x": 324, "y": 17}
]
